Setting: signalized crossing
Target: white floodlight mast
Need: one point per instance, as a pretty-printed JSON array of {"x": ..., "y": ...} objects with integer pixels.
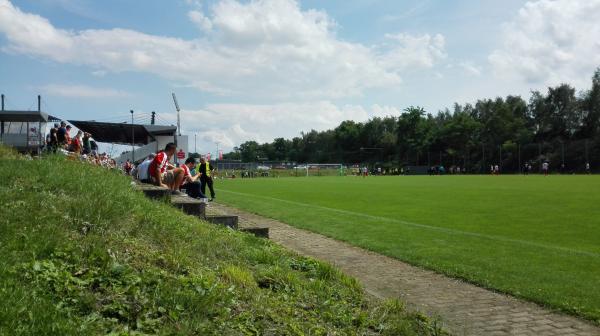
[{"x": 178, "y": 120}]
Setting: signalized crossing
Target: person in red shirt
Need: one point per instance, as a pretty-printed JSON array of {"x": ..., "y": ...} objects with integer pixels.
[
  {"x": 164, "y": 174},
  {"x": 189, "y": 182},
  {"x": 68, "y": 137},
  {"x": 76, "y": 143},
  {"x": 127, "y": 167}
]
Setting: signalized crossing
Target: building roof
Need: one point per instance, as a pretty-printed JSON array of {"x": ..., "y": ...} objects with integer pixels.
[
  {"x": 32, "y": 116},
  {"x": 123, "y": 133}
]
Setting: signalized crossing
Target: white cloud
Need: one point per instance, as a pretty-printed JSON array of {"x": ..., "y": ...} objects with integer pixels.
[
  {"x": 82, "y": 91},
  {"x": 232, "y": 124},
  {"x": 470, "y": 68},
  {"x": 200, "y": 20},
  {"x": 99, "y": 73},
  {"x": 196, "y": 3},
  {"x": 550, "y": 42},
  {"x": 269, "y": 49},
  {"x": 410, "y": 51}
]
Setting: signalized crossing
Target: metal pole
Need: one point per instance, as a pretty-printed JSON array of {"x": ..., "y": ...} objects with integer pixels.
[
  {"x": 132, "y": 139},
  {"x": 500, "y": 163},
  {"x": 195, "y": 150},
  {"x": 2, "y": 122},
  {"x": 428, "y": 158},
  {"x": 178, "y": 119},
  {"x": 519, "y": 147},
  {"x": 562, "y": 144},
  {"x": 587, "y": 159},
  {"x": 540, "y": 155},
  {"x": 40, "y": 137},
  {"x": 482, "y": 158}
]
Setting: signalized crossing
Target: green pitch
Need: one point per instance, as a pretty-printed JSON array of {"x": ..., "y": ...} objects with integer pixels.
[{"x": 532, "y": 236}]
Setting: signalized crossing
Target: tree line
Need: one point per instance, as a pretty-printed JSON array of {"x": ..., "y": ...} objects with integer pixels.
[{"x": 560, "y": 126}]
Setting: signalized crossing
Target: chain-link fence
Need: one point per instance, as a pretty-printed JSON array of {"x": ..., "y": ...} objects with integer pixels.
[{"x": 568, "y": 157}]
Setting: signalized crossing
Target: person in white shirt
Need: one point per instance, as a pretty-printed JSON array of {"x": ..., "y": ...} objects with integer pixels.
[
  {"x": 587, "y": 168},
  {"x": 142, "y": 169},
  {"x": 545, "y": 167}
]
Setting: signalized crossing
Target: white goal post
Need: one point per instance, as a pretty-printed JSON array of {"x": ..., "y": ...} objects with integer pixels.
[{"x": 322, "y": 169}]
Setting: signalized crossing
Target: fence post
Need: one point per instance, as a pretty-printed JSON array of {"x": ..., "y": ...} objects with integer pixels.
[
  {"x": 519, "y": 150},
  {"x": 587, "y": 159},
  {"x": 500, "y": 163},
  {"x": 562, "y": 144},
  {"x": 540, "y": 156},
  {"x": 483, "y": 158}
]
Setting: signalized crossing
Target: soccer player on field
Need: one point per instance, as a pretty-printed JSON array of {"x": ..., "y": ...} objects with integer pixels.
[{"x": 545, "y": 167}]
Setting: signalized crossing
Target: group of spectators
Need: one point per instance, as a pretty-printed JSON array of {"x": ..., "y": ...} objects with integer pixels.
[
  {"x": 191, "y": 177},
  {"x": 441, "y": 170},
  {"x": 81, "y": 146},
  {"x": 59, "y": 138}
]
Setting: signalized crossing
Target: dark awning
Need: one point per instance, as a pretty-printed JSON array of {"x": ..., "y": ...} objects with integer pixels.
[
  {"x": 121, "y": 133},
  {"x": 23, "y": 116},
  {"x": 52, "y": 118}
]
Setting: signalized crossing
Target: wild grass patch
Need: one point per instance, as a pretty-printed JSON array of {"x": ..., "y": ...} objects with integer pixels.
[{"x": 84, "y": 253}]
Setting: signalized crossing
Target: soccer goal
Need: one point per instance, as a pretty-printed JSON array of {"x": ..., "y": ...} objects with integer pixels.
[{"x": 320, "y": 169}]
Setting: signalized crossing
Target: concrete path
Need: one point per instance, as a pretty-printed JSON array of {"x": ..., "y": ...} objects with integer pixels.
[{"x": 465, "y": 309}]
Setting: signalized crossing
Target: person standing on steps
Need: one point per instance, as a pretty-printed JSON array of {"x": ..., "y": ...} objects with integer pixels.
[{"x": 205, "y": 178}]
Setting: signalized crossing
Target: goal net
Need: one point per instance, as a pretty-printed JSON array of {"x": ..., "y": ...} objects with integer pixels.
[{"x": 320, "y": 169}]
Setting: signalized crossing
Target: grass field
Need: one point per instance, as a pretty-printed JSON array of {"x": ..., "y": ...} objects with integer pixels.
[{"x": 532, "y": 236}]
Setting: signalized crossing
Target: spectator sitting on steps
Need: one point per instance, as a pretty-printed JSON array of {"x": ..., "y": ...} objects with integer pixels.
[
  {"x": 163, "y": 173},
  {"x": 190, "y": 182},
  {"x": 142, "y": 169},
  {"x": 76, "y": 143}
]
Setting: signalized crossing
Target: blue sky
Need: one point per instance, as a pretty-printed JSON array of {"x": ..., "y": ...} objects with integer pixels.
[{"x": 260, "y": 69}]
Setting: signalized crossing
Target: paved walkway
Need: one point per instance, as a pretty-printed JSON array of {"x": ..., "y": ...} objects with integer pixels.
[{"x": 465, "y": 309}]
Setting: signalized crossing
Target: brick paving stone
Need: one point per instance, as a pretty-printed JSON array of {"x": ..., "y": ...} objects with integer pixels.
[
  {"x": 465, "y": 309},
  {"x": 542, "y": 328},
  {"x": 548, "y": 333}
]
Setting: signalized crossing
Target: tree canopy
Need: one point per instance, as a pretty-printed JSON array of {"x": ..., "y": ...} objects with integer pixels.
[{"x": 559, "y": 125}]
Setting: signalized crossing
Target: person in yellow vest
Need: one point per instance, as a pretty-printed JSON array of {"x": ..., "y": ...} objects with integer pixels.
[{"x": 205, "y": 177}]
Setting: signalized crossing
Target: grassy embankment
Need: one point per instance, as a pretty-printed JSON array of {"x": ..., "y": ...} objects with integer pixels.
[
  {"x": 83, "y": 253},
  {"x": 532, "y": 236}
]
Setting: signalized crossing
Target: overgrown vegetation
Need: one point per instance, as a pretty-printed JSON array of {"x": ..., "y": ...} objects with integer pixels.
[{"x": 83, "y": 253}]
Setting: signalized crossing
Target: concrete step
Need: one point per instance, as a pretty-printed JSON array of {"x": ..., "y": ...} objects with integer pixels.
[
  {"x": 229, "y": 221},
  {"x": 196, "y": 207},
  {"x": 190, "y": 206},
  {"x": 261, "y": 232},
  {"x": 154, "y": 192}
]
